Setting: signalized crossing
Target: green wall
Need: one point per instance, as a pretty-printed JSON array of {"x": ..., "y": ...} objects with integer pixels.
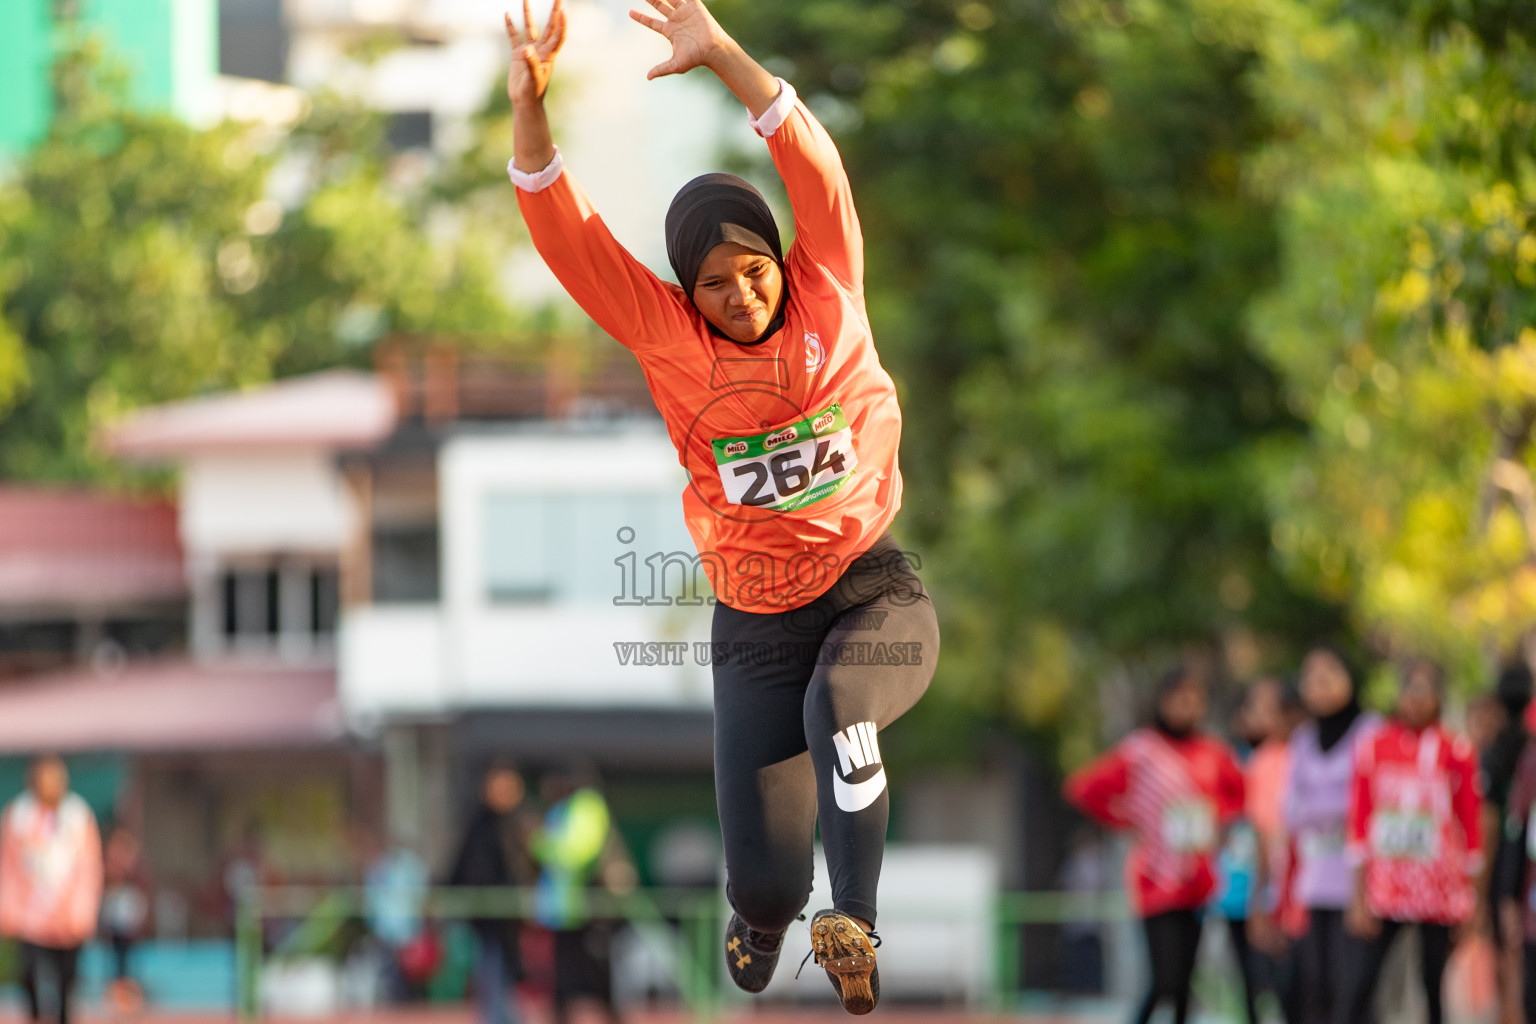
[
  {"x": 24, "y": 59},
  {"x": 170, "y": 46}
]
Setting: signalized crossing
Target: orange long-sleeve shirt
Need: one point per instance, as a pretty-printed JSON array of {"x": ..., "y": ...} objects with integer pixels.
[{"x": 790, "y": 444}]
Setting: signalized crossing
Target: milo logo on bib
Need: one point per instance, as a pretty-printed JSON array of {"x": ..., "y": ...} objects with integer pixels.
[{"x": 790, "y": 466}]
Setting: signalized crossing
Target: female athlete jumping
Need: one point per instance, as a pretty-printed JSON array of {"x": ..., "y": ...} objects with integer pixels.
[{"x": 763, "y": 367}]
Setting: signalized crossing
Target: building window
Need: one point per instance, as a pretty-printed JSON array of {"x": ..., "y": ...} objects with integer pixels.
[
  {"x": 253, "y": 39},
  {"x": 409, "y": 129},
  {"x": 251, "y": 603},
  {"x": 562, "y": 547},
  {"x": 263, "y": 605},
  {"x": 324, "y": 600},
  {"x": 405, "y": 563}
]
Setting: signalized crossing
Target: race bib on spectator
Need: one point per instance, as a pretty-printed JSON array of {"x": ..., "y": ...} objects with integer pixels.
[
  {"x": 1405, "y": 835},
  {"x": 788, "y": 467},
  {"x": 1189, "y": 827},
  {"x": 1322, "y": 844}
]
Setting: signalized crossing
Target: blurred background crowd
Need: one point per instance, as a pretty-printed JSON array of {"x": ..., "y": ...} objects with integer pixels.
[{"x": 1212, "y": 320}]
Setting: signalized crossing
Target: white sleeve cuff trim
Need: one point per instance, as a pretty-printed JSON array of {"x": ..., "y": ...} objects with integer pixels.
[
  {"x": 777, "y": 113},
  {"x": 541, "y": 180}
]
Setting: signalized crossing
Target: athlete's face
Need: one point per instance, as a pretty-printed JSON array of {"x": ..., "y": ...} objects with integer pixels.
[
  {"x": 50, "y": 781},
  {"x": 738, "y": 291},
  {"x": 1325, "y": 684},
  {"x": 1184, "y": 707},
  {"x": 1418, "y": 702}
]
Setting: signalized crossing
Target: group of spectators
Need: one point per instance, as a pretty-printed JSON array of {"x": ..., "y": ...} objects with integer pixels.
[
  {"x": 1324, "y": 832},
  {"x": 562, "y": 854},
  {"x": 62, "y": 887}
]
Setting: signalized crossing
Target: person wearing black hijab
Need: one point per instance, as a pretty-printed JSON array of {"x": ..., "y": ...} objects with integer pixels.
[
  {"x": 762, "y": 362},
  {"x": 1316, "y": 806},
  {"x": 721, "y": 209}
]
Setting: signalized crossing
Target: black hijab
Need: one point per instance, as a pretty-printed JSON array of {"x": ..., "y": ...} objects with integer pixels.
[
  {"x": 1333, "y": 727},
  {"x": 711, "y": 210},
  {"x": 1513, "y": 690}
]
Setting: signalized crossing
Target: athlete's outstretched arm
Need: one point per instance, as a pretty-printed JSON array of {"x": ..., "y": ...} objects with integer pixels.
[
  {"x": 827, "y": 231},
  {"x": 614, "y": 288},
  {"x": 533, "y": 62}
]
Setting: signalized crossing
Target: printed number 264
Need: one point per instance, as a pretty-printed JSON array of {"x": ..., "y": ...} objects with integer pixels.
[{"x": 789, "y": 477}]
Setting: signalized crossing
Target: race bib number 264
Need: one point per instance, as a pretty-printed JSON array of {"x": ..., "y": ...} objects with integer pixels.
[{"x": 790, "y": 466}]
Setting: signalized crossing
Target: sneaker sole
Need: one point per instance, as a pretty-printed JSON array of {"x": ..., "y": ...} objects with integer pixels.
[{"x": 843, "y": 949}]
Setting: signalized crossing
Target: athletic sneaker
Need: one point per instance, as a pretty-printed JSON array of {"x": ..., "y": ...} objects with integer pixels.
[
  {"x": 751, "y": 955},
  {"x": 848, "y": 955}
]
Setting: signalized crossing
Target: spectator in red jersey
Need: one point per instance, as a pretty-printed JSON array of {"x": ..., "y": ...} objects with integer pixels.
[
  {"x": 1176, "y": 789},
  {"x": 1415, "y": 839}
]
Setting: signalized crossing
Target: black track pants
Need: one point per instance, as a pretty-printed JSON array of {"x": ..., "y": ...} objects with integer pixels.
[
  {"x": 1173, "y": 939},
  {"x": 1434, "y": 954},
  {"x": 39, "y": 961},
  {"x": 1325, "y": 956},
  {"x": 1528, "y": 986},
  {"x": 799, "y": 699}
]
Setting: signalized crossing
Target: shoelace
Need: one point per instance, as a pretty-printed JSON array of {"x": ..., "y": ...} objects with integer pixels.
[{"x": 765, "y": 942}]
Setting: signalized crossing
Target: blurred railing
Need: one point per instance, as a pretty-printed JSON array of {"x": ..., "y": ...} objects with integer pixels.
[{"x": 697, "y": 915}]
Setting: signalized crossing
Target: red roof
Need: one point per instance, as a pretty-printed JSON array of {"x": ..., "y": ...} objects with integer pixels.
[
  {"x": 171, "y": 705},
  {"x": 337, "y": 409},
  {"x": 77, "y": 549}
]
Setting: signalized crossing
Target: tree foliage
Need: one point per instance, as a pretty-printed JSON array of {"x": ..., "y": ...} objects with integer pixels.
[
  {"x": 1063, "y": 246},
  {"x": 143, "y": 260},
  {"x": 1402, "y": 169}
]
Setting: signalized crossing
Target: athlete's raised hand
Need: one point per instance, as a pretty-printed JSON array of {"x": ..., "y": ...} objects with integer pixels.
[
  {"x": 695, "y": 35},
  {"x": 533, "y": 53},
  {"x": 698, "y": 41}
]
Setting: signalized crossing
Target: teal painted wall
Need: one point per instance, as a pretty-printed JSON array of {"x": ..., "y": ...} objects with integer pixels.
[
  {"x": 25, "y": 47},
  {"x": 170, "y": 47}
]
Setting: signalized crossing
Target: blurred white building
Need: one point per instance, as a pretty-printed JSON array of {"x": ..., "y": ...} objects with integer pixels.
[
  {"x": 465, "y": 552},
  {"x": 632, "y": 142}
]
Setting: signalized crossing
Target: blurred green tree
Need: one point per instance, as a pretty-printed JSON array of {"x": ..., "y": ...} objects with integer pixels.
[
  {"x": 143, "y": 260},
  {"x": 1403, "y": 165},
  {"x": 1062, "y": 249}
]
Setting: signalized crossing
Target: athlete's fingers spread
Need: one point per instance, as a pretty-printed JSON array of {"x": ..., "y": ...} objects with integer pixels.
[
  {"x": 513, "y": 35},
  {"x": 663, "y": 6},
  {"x": 559, "y": 36},
  {"x": 649, "y": 20},
  {"x": 555, "y": 23},
  {"x": 670, "y": 67},
  {"x": 528, "y": 23}
]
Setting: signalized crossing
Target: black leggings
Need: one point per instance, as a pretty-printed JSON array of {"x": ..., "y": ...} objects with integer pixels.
[
  {"x": 1528, "y": 984},
  {"x": 1248, "y": 967},
  {"x": 1173, "y": 939},
  {"x": 1324, "y": 958},
  {"x": 1434, "y": 952},
  {"x": 799, "y": 698},
  {"x": 60, "y": 964}
]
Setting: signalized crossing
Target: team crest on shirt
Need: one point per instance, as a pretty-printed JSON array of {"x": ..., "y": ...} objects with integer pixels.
[{"x": 815, "y": 354}]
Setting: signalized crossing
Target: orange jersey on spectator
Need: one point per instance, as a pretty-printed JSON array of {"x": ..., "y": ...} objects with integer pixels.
[
  {"x": 50, "y": 872},
  {"x": 1414, "y": 822},
  {"x": 790, "y": 444},
  {"x": 1176, "y": 795}
]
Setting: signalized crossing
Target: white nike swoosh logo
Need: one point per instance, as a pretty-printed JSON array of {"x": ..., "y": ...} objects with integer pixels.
[{"x": 855, "y": 796}]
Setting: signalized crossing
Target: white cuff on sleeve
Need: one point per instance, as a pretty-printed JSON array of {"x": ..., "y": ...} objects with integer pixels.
[
  {"x": 541, "y": 180},
  {"x": 777, "y": 113}
]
